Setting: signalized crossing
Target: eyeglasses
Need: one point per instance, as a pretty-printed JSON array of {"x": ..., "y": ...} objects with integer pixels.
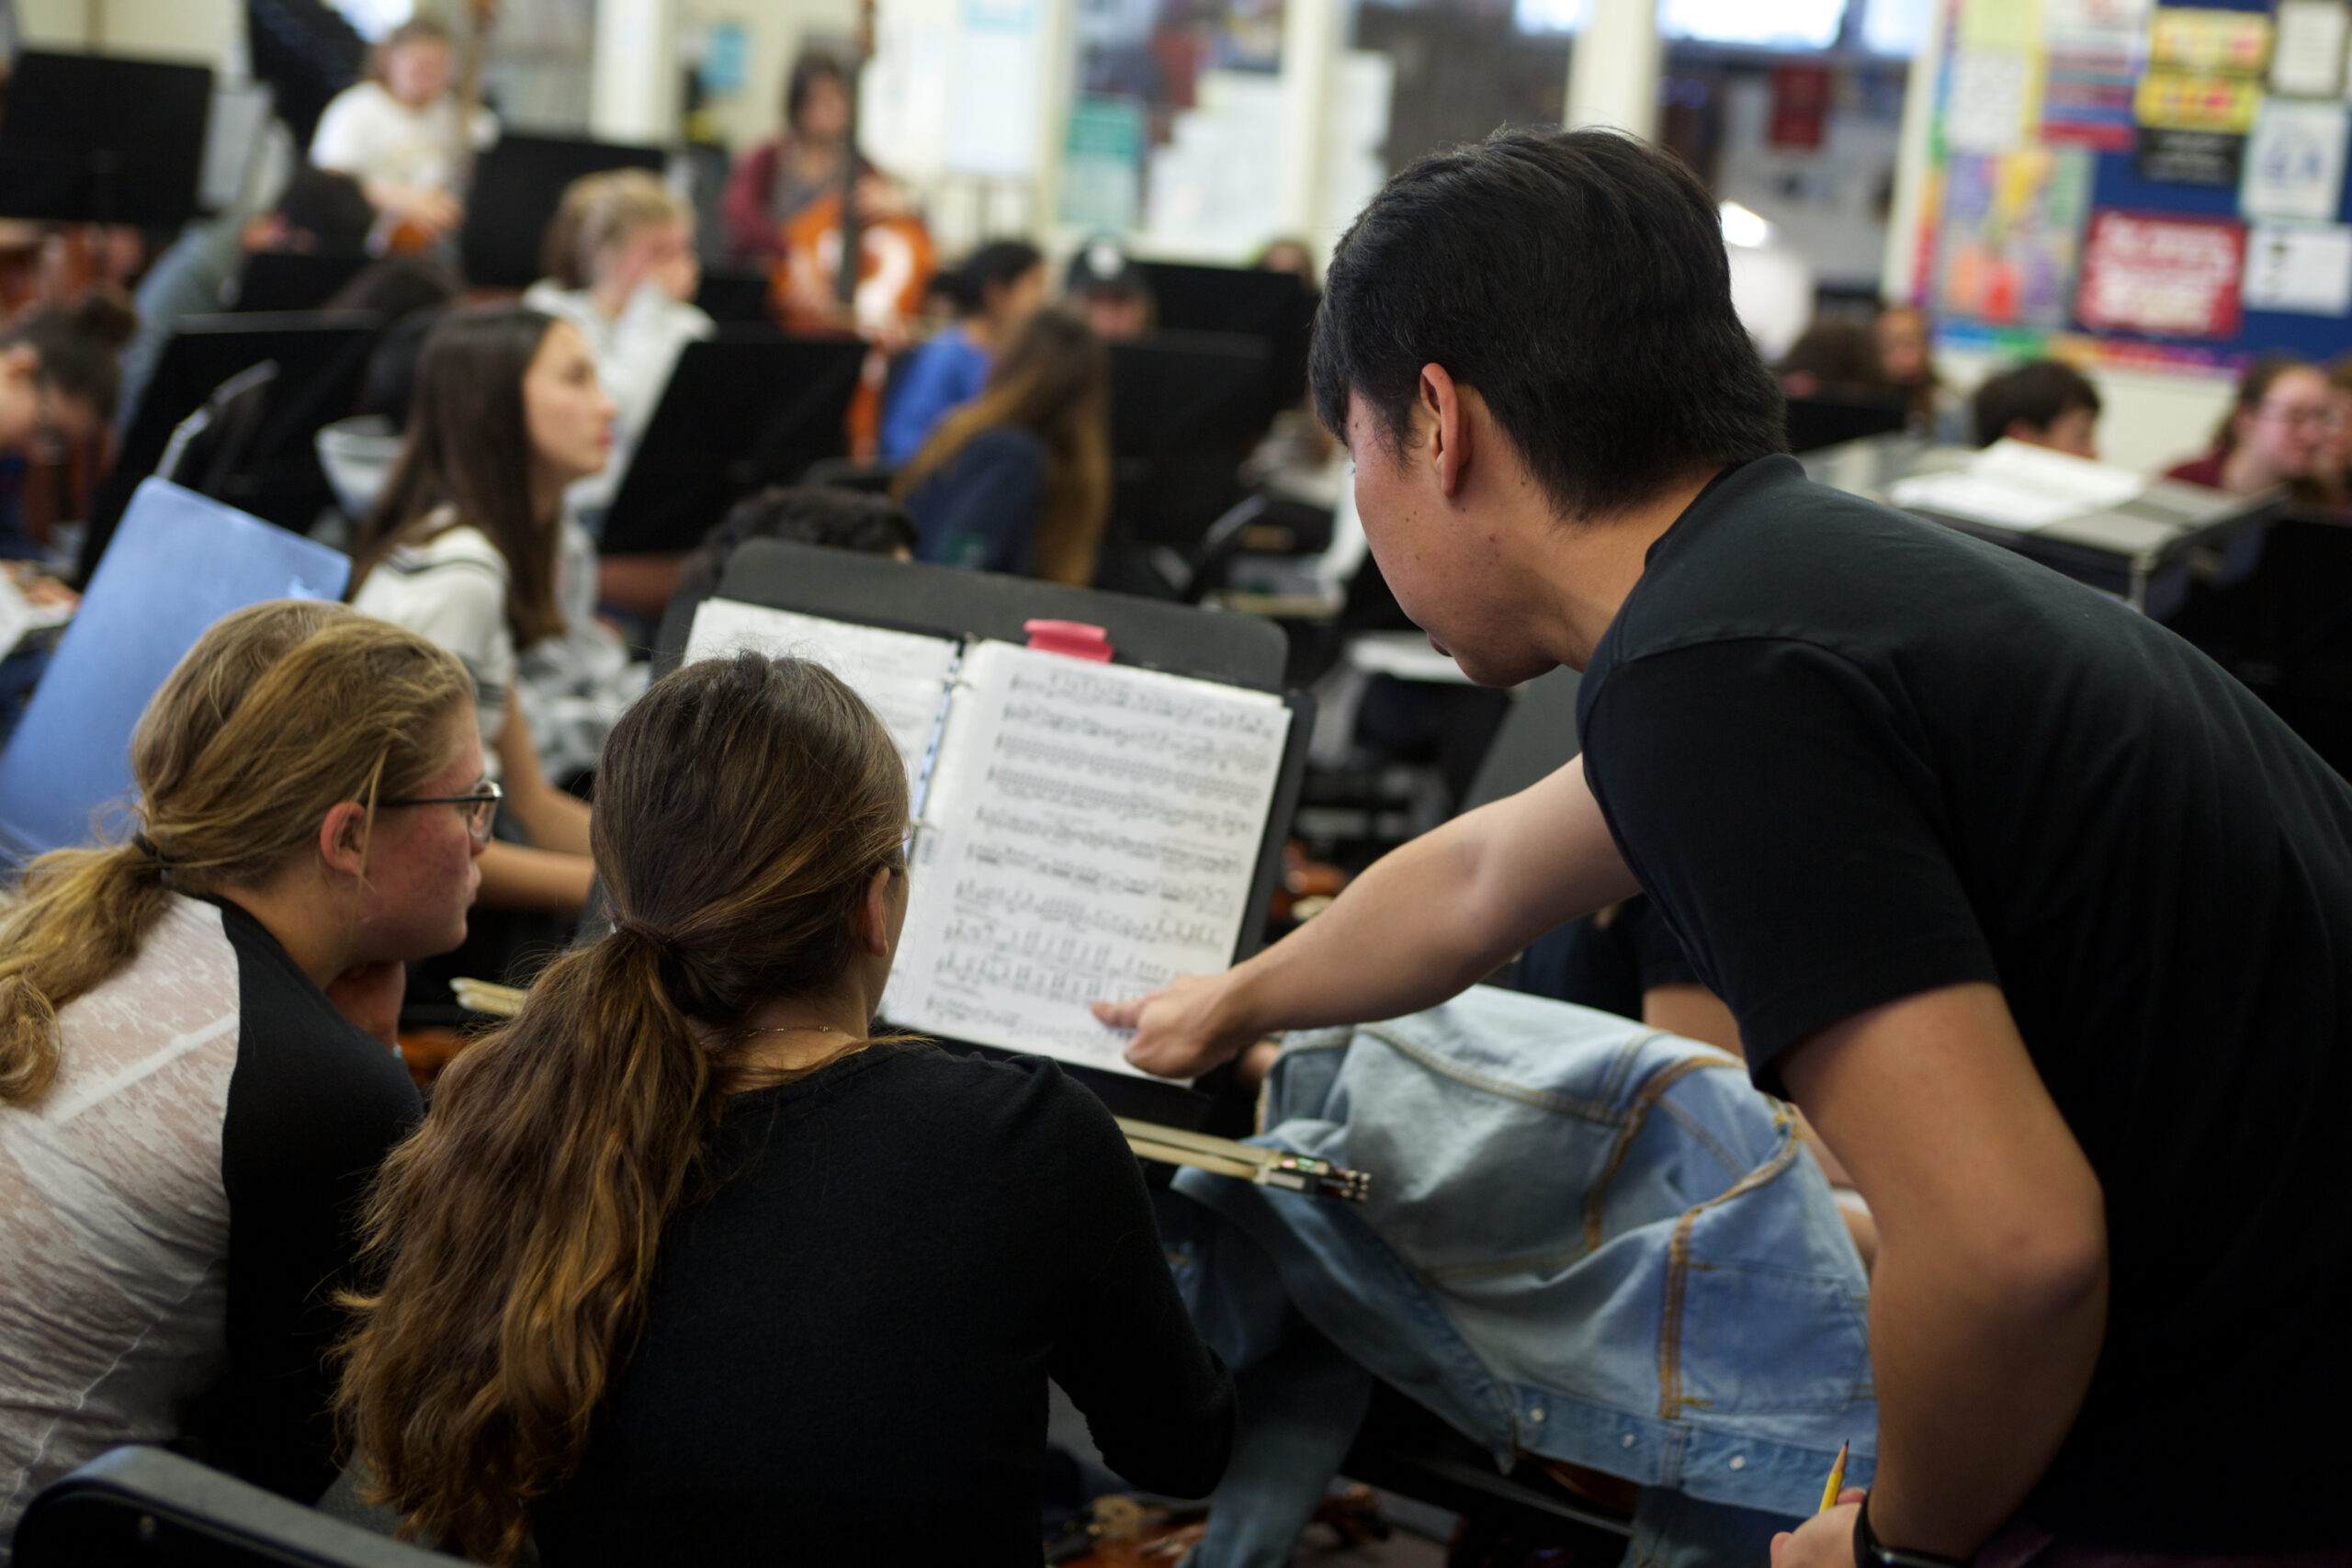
[
  {"x": 481, "y": 804},
  {"x": 2288, "y": 414}
]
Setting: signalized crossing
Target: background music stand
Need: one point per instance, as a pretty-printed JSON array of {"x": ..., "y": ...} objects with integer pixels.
[
  {"x": 749, "y": 407},
  {"x": 518, "y": 183},
  {"x": 1186, "y": 410},
  {"x": 97, "y": 139},
  {"x": 320, "y": 357},
  {"x": 1276, "y": 306},
  {"x": 937, "y": 601}
]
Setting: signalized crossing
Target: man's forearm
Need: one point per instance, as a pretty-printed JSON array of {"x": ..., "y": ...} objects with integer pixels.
[{"x": 1437, "y": 914}]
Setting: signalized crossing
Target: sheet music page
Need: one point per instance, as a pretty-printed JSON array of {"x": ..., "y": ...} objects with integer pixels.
[
  {"x": 902, "y": 677},
  {"x": 1092, "y": 832}
]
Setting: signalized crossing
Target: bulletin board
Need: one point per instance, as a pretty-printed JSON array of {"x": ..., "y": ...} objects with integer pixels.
[{"x": 2129, "y": 184}]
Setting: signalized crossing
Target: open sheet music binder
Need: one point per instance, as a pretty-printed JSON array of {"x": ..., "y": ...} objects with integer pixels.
[{"x": 1082, "y": 830}]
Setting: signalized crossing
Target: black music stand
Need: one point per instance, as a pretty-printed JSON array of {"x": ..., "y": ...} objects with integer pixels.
[
  {"x": 96, "y": 138},
  {"x": 295, "y": 280},
  {"x": 321, "y": 357},
  {"x": 734, "y": 298},
  {"x": 1276, "y": 306},
  {"x": 749, "y": 407},
  {"x": 937, "y": 601},
  {"x": 1186, "y": 410},
  {"x": 518, "y": 183}
]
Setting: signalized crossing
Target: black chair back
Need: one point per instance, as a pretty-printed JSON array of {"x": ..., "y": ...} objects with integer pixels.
[{"x": 137, "y": 1507}]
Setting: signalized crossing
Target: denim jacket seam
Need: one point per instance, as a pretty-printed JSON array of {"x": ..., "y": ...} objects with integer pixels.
[
  {"x": 1584, "y": 1109},
  {"x": 1678, "y": 1269}
]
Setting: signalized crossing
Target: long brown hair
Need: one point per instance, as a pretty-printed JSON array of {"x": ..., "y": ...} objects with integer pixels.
[
  {"x": 1054, "y": 380},
  {"x": 280, "y": 713},
  {"x": 469, "y": 450},
  {"x": 743, "y": 806}
]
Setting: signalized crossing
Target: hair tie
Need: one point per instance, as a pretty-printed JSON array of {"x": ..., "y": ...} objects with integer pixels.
[
  {"x": 146, "y": 846},
  {"x": 657, "y": 940}
]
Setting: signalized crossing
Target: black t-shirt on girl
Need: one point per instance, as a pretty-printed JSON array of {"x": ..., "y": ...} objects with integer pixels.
[{"x": 846, "y": 1351}]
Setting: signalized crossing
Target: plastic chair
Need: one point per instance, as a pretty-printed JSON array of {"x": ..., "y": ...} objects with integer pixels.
[
  {"x": 180, "y": 563},
  {"x": 140, "y": 1507}
]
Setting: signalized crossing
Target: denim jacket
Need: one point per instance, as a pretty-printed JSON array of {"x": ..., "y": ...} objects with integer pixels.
[{"x": 1586, "y": 1240}]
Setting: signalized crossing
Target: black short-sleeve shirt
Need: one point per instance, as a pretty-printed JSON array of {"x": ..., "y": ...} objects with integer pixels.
[{"x": 1852, "y": 756}]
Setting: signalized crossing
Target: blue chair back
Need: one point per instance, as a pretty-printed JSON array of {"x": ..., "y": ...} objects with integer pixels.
[{"x": 179, "y": 562}]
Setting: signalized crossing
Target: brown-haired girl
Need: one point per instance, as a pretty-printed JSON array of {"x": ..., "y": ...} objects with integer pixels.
[
  {"x": 197, "y": 1074},
  {"x": 2280, "y": 430},
  {"x": 1019, "y": 479},
  {"x": 463, "y": 547},
  {"x": 688, "y": 1265}
]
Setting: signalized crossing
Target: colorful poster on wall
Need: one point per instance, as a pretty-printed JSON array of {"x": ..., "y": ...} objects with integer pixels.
[
  {"x": 2092, "y": 50},
  {"x": 2198, "y": 100},
  {"x": 2010, "y": 236},
  {"x": 2192, "y": 39},
  {"x": 2307, "y": 52},
  {"x": 2167, "y": 277},
  {"x": 2294, "y": 164},
  {"x": 2303, "y": 268},
  {"x": 1988, "y": 102},
  {"x": 1102, "y": 164},
  {"x": 2191, "y": 157},
  {"x": 1800, "y": 106}
]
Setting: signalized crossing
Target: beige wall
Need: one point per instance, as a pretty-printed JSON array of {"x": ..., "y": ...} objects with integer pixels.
[{"x": 211, "y": 31}]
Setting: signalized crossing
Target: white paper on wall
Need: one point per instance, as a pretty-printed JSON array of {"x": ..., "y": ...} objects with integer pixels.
[
  {"x": 2300, "y": 268},
  {"x": 2294, "y": 161}
]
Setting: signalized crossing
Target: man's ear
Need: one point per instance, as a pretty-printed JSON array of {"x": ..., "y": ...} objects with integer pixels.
[
  {"x": 20, "y": 361},
  {"x": 343, "y": 839},
  {"x": 1445, "y": 441},
  {"x": 870, "y": 921}
]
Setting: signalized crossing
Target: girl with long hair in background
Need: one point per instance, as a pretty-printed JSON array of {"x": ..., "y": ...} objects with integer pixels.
[
  {"x": 463, "y": 547},
  {"x": 1020, "y": 479}
]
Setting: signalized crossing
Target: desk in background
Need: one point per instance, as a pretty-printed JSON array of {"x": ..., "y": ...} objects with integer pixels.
[{"x": 2144, "y": 551}]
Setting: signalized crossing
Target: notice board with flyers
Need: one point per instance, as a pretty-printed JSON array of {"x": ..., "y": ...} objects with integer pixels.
[{"x": 2132, "y": 184}]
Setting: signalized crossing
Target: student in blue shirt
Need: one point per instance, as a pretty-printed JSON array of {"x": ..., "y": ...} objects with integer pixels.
[
  {"x": 995, "y": 290},
  {"x": 1020, "y": 480}
]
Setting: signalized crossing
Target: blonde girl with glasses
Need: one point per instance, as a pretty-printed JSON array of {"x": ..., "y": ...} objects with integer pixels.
[{"x": 197, "y": 1075}]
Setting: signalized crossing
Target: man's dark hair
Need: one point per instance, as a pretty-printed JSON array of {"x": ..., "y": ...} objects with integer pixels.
[
  {"x": 807, "y": 514},
  {"x": 2037, "y": 392},
  {"x": 329, "y": 208},
  {"x": 1578, "y": 281}
]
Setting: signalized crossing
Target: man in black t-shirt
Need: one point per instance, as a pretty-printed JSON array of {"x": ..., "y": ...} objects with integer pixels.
[{"x": 2043, "y": 920}]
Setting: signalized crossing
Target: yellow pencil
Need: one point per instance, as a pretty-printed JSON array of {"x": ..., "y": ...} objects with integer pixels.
[{"x": 1837, "y": 1480}]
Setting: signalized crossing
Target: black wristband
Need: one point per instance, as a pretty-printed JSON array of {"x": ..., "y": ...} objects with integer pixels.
[{"x": 1870, "y": 1552}]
